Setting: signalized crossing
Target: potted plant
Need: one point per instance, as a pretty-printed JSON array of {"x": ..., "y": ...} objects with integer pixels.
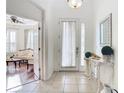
[
  {"x": 88, "y": 54},
  {"x": 107, "y": 52}
]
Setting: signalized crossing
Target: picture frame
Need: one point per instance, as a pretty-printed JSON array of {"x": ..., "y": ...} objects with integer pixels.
[{"x": 106, "y": 31}]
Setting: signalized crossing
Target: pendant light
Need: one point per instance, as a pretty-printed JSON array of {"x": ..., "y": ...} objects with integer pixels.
[{"x": 75, "y": 3}]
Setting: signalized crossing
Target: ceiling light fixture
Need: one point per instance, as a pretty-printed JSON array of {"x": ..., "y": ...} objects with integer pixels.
[
  {"x": 75, "y": 3},
  {"x": 14, "y": 19}
]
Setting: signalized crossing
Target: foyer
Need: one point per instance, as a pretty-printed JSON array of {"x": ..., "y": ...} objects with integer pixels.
[{"x": 64, "y": 35}]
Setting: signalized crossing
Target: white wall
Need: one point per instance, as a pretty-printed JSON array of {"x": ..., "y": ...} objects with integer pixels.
[
  {"x": 21, "y": 39},
  {"x": 101, "y": 9}
]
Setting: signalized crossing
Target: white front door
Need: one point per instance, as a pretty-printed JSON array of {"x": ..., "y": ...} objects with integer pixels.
[{"x": 69, "y": 51}]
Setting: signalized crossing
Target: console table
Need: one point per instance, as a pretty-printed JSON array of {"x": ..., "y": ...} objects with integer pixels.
[{"x": 98, "y": 63}]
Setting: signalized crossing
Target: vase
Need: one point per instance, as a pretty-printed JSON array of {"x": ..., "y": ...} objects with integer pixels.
[{"x": 107, "y": 58}]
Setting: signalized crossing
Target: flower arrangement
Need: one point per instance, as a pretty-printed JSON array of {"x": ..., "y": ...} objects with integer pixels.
[
  {"x": 88, "y": 54},
  {"x": 93, "y": 55},
  {"x": 107, "y": 50}
]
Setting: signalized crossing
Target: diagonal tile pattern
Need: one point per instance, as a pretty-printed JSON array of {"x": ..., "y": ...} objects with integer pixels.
[{"x": 60, "y": 82}]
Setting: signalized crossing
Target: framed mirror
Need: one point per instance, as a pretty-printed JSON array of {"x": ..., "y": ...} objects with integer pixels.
[{"x": 106, "y": 31}]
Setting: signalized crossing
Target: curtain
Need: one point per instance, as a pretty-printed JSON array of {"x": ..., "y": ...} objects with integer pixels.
[
  {"x": 29, "y": 39},
  {"x": 11, "y": 40},
  {"x": 82, "y": 43},
  {"x": 68, "y": 44}
]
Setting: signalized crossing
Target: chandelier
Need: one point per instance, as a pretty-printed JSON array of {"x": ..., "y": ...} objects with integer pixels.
[{"x": 75, "y": 3}]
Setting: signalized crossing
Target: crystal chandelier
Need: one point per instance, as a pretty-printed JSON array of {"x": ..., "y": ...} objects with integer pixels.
[{"x": 74, "y": 3}]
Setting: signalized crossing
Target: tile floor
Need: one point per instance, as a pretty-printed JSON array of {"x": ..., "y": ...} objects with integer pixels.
[{"x": 60, "y": 82}]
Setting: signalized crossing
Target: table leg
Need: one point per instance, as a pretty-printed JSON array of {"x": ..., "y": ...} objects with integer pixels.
[
  {"x": 15, "y": 64},
  {"x": 19, "y": 63},
  {"x": 7, "y": 63},
  {"x": 27, "y": 65},
  {"x": 98, "y": 76},
  {"x": 90, "y": 71}
]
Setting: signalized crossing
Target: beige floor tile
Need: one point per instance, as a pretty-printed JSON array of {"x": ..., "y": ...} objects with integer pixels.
[
  {"x": 70, "y": 77},
  {"x": 86, "y": 88},
  {"x": 71, "y": 81},
  {"x": 57, "y": 84},
  {"x": 70, "y": 88},
  {"x": 40, "y": 90},
  {"x": 58, "y": 79},
  {"x": 83, "y": 81},
  {"x": 55, "y": 91}
]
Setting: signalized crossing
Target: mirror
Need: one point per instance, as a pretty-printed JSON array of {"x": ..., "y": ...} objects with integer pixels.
[{"x": 106, "y": 31}]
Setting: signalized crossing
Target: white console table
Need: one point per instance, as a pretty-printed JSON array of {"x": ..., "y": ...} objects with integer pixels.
[{"x": 98, "y": 63}]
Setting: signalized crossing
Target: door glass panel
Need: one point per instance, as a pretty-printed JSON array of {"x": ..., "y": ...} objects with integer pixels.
[
  {"x": 68, "y": 44},
  {"x": 82, "y": 43}
]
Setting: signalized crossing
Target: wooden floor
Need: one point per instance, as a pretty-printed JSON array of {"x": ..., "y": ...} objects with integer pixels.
[{"x": 19, "y": 76}]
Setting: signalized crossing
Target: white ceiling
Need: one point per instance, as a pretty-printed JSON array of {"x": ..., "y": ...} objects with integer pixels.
[
  {"x": 42, "y": 3},
  {"x": 47, "y": 4}
]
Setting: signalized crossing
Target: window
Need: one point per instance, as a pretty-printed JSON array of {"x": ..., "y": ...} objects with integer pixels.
[
  {"x": 11, "y": 40},
  {"x": 82, "y": 43},
  {"x": 29, "y": 37}
]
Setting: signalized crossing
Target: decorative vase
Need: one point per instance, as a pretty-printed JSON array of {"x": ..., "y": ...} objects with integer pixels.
[
  {"x": 88, "y": 54},
  {"x": 107, "y": 58},
  {"x": 107, "y": 52}
]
